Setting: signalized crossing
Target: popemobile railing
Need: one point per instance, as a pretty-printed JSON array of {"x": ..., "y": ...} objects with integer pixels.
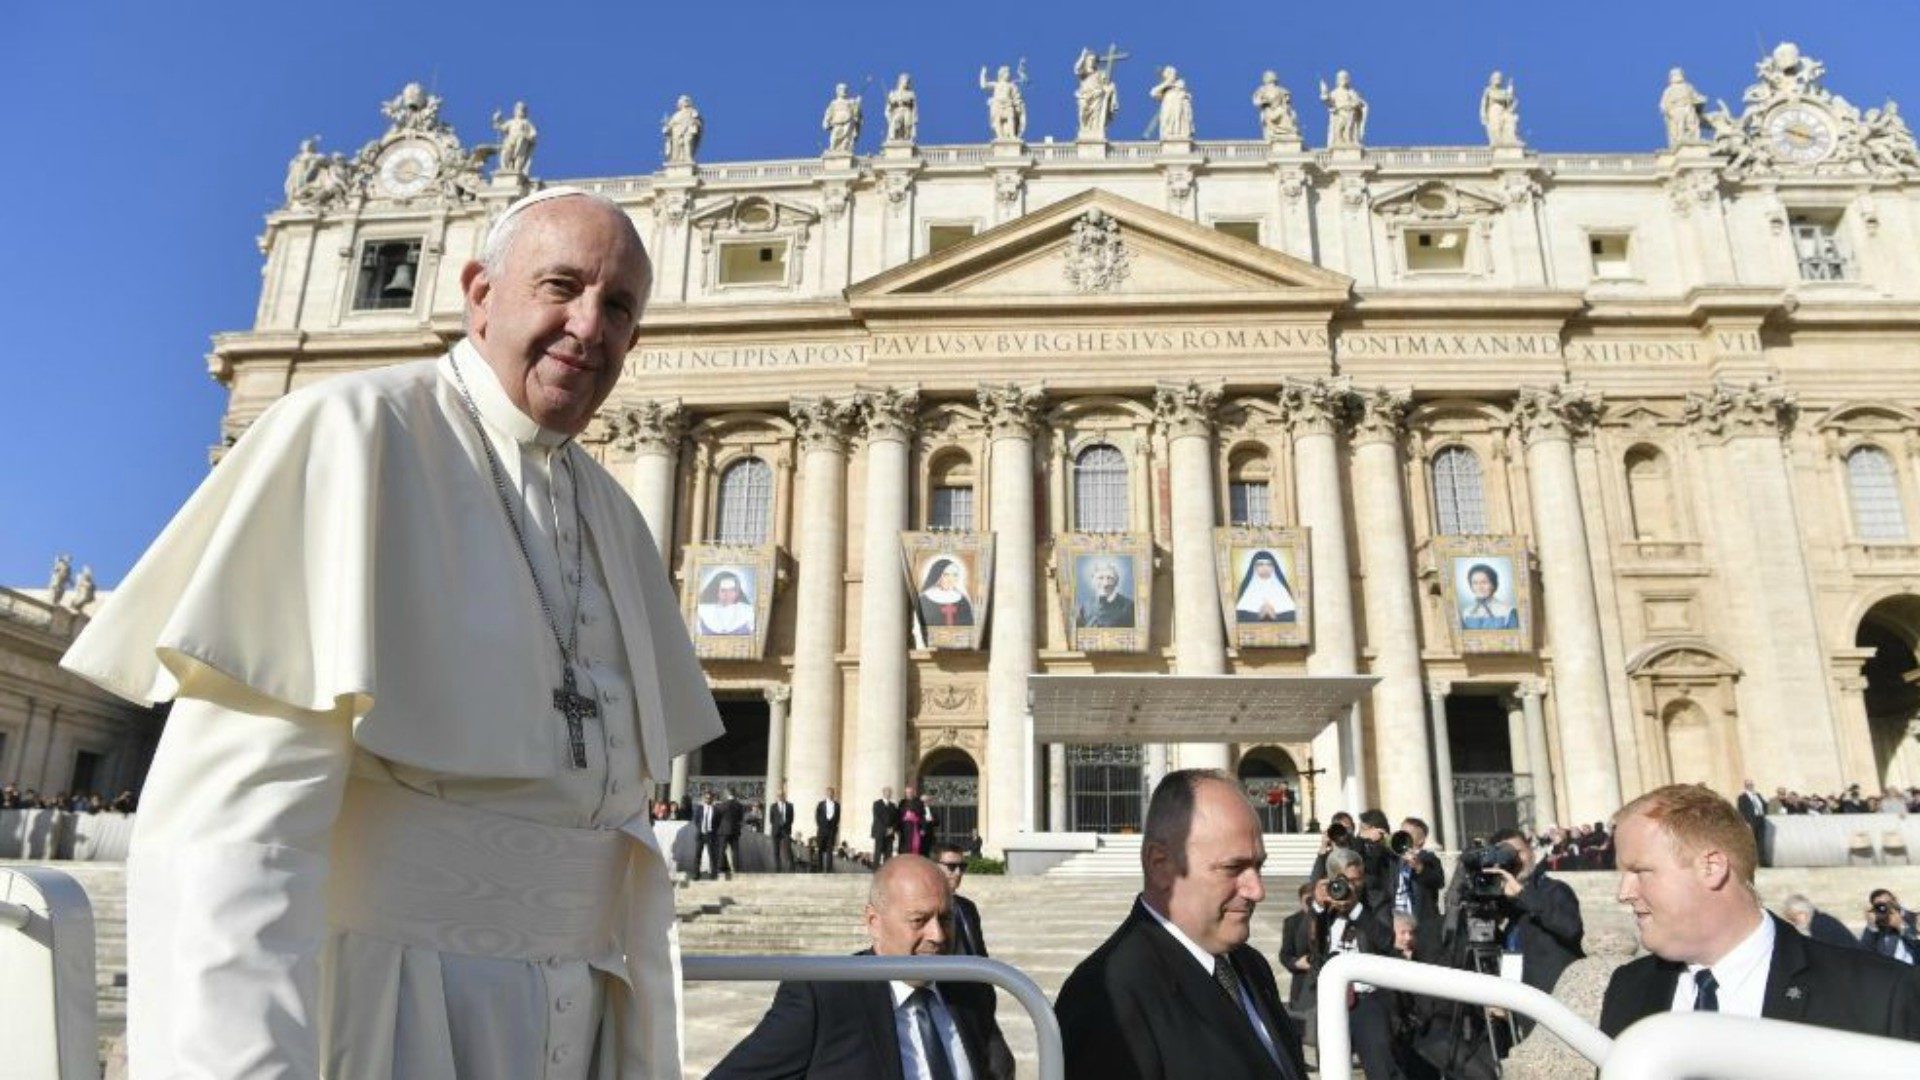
[
  {"x": 1046, "y": 1027},
  {"x": 46, "y": 941}
]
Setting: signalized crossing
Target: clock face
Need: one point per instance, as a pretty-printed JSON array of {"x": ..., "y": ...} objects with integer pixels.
[
  {"x": 1800, "y": 134},
  {"x": 406, "y": 169}
]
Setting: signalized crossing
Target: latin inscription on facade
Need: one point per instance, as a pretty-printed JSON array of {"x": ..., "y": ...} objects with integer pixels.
[
  {"x": 1172, "y": 341},
  {"x": 1634, "y": 352},
  {"x": 1390, "y": 346},
  {"x": 749, "y": 357}
]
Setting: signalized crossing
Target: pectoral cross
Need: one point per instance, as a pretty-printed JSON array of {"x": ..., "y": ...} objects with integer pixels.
[{"x": 576, "y": 707}]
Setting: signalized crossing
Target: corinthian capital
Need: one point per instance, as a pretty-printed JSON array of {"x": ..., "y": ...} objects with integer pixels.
[
  {"x": 1733, "y": 410},
  {"x": 653, "y": 426},
  {"x": 890, "y": 412},
  {"x": 1561, "y": 411},
  {"x": 1011, "y": 410},
  {"x": 1317, "y": 406},
  {"x": 1382, "y": 415},
  {"x": 824, "y": 423},
  {"x": 1186, "y": 408}
]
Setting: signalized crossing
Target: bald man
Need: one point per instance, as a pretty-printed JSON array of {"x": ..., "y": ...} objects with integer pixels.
[
  {"x": 426, "y": 664},
  {"x": 913, "y": 1030}
]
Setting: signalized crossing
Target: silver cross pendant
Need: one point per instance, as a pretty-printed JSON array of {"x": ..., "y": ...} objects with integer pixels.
[{"x": 576, "y": 707}]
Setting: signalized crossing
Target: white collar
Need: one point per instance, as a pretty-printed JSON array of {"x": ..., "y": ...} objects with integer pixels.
[
  {"x": 1753, "y": 952},
  {"x": 496, "y": 410},
  {"x": 1200, "y": 955},
  {"x": 903, "y": 991}
]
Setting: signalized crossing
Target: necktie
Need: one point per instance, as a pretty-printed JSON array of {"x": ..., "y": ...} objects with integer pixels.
[
  {"x": 1228, "y": 979},
  {"x": 939, "y": 1065},
  {"x": 1706, "y": 997}
]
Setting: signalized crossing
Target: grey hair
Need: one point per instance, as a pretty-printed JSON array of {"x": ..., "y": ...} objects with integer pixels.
[
  {"x": 1401, "y": 918},
  {"x": 1339, "y": 859},
  {"x": 1797, "y": 902},
  {"x": 493, "y": 254},
  {"x": 1170, "y": 813}
]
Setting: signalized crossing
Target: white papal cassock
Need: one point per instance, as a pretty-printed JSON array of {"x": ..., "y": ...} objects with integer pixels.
[{"x": 361, "y": 851}]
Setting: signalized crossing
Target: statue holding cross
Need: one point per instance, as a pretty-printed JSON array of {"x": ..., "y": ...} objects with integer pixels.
[{"x": 1097, "y": 96}]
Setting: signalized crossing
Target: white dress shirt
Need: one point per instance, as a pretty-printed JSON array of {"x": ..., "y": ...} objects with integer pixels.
[
  {"x": 913, "y": 1055},
  {"x": 1205, "y": 960},
  {"x": 1741, "y": 975}
]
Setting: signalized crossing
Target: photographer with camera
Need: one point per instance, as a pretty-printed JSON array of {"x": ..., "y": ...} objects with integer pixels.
[
  {"x": 1353, "y": 912},
  {"x": 1890, "y": 929},
  {"x": 1418, "y": 879},
  {"x": 1339, "y": 834},
  {"x": 1540, "y": 916}
]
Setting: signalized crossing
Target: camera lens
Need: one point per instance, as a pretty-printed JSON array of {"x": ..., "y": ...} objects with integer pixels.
[
  {"x": 1337, "y": 833},
  {"x": 1339, "y": 890},
  {"x": 1401, "y": 843}
]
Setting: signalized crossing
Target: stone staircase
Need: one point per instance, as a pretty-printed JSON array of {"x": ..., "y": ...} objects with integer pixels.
[{"x": 1118, "y": 856}]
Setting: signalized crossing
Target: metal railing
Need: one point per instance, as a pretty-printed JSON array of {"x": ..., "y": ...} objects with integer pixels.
[
  {"x": 1336, "y": 1047},
  {"x": 1046, "y": 1027},
  {"x": 1674, "y": 1045},
  {"x": 46, "y": 940}
]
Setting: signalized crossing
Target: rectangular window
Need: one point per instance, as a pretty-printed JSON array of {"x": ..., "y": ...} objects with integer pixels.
[
  {"x": 389, "y": 270},
  {"x": 1243, "y": 230},
  {"x": 942, "y": 237},
  {"x": 86, "y": 772},
  {"x": 1817, "y": 247},
  {"x": 1247, "y": 503},
  {"x": 1434, "y": 250},
  {"x": 1609, "y": 252},
  {"x": 760, "y": 263},
  {"x": 951, "y": 508}
]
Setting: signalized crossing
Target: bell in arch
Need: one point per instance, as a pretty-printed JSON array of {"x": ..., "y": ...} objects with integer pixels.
[{"x": 401, "y": 283}]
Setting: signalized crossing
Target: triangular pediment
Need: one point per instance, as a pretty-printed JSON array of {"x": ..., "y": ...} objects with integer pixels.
[
  {"x": 1436, "y": 200},
  {"x": 1100, "y": 248}
]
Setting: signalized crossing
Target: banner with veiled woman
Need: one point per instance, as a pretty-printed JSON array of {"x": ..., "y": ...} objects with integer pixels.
[
  {"x": 950, "y": 575},
  {"x": 728, "y": 600},
  {"x": 1266, "y": 586}
]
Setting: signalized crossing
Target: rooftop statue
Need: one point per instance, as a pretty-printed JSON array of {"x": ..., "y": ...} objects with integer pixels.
[
  {"x": 841, "y": 121},
  {"x": 517, "y": 137},
  {"x": 1176, "y": 106},
  {"x": 1278, "y": 121},
  {"x": 413, "y": 109},
  {"x": 1006, "y": 108},
  {"x": 1346, "y": 113},
  {"x": 1681, "y": 106},
  {"x": 1500, "y": 112},
  {"x": 682, "y": 131},
  {"x": 903, "y": 111},
  {"x": 1098, "y": 97}
]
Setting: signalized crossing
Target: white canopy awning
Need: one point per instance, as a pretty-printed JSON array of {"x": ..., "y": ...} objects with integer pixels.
[{"x": 1189, "y": 708}]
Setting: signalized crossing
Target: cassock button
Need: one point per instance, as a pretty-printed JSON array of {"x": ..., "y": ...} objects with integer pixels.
[
  {"x": 562, "y": 1053},
  {"x": 613, "y": 786},
  {"x": 563, "y": 1004},
  {"x": 616, "y": 741}
]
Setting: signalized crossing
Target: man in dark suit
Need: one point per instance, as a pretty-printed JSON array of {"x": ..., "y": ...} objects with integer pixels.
[
  {"x": 1890, "y": 930},
  {"x": 1753, "y": 810},
  {"x": 1541, "y": 920},
  {"x": 886, "y": 821},
  {"x": 711, "y": 820},
  {"x": 780, "y": 827},
  {"x": 731, "y": 813},
  {"x": 1686, "y": 863},
  {"x": 1176, "y": 992},
  {"x": 1296, "y": 953},
  {"x": 826, "y": 831},
  {"x": 1357, "y": 916},
  {"x": 1418, "y": 879},
  {"x": 887, "y": 1031},
  {"x": 968, "y": 938}
]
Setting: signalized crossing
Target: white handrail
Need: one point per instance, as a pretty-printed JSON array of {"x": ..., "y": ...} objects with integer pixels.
[
  {"x": 50, "y": 1024},
  {"x": 1336, "y": 1046},
  {"x": 1669, "y": 1046}
]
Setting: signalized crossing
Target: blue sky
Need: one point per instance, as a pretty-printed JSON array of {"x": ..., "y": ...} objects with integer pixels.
[{"x": 145, "y": 141}]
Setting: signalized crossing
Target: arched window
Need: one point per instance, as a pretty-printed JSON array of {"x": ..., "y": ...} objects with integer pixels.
[
  {"x": 950, "y": 492},
  {"x": 1100, "y": 490},
  {"x": 1650, "y": 494},
  {"x": 1458, "y": 498},
  {"x": 1875, "y": 489},
  {"x": 746, "y": 503},
  {"x": 1249, "y": 488}
]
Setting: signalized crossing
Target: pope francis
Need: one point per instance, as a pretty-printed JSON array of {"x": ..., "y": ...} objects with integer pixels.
[{"x": 426, "y": 661}]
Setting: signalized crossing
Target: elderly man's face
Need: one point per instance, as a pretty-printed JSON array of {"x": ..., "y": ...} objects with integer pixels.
[
  {"x": 1106, "y": 581},
  {"x": 915, "y": 914},
  {"x": 1213, "y": 902},
  {"x": 556, "y": 320}
]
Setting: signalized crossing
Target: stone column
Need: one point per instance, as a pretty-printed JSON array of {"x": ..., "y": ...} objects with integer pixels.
[
  {"x": 1012, "y": 413},
  {"x": 880, "y": 744},
  {"x": 1546, "y": 807},
  {"x": 1393, "y": 629},
  {"x": 1437, "y": 691},
  {"x": 1056, "y": 787},
  {"x": 1316, "y": 411},
  {"x": 651, "y": 431},
  {"x": 1186, "y": 412},
  {"x": 1549, "y": 419},
  {"x": 820, "y": 550},
  {"x": 778, "y": 694}
]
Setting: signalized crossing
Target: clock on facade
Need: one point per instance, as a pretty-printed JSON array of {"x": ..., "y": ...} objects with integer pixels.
[
  {"x": 407, "y": 168},
  {"x": 1800, "y": 134}
]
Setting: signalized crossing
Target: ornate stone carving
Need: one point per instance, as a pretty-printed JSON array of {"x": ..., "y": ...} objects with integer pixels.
[
  {"x": 302, "y": 169},
  {"x": 418, "y": 156},
  {"x": 1317, "y": 406},
  {"x": 1006, "y": 187},
  {"x": 672, "y": 204},
  {"x": 1293, "y": 183},
  {"x": 890, "y": 412},
  {"x": 1278, "y": 122},
  {"x": 1097, "y": 98},
  {"x": 1006, "y": 108},
  {"x": 757, "y": 215},
  {"x": 1176, "y": 106},
  {"x": 903, "y": 112},
  {"x": 895, "y": 184},
  {"x": 1681, "y": 107},
  {"x": 834, "y": 198},
  {"x": 777, "y": 693},
  {"x": 1010, "y": 409},
  {"x": 841, "y": 121},
  {"x": 413, "y": 109},
  {"x": 824, "y": 423},
  {"x": 949, "y": 698},
  {"x": 1432, "y": 201},
  {"x": 1530, "y": 687},
  {"x": 1500, "y": 113},
  {"x": 1346, "y": 113},
  {"x": 61, "y": 577},
  {"x": 681, "y": 132},
  {"x": 1519, "y": 189},
  {"x": 1380, "y": 415},
  {"x": 1733, "y": 410},
  {"x": 1695, "y": 187},
  {"x": 1186, "y": 408},
  {"x": 1560, "y": 411},
  {"x": 517, "y": 138},
  {"x": 650, "y": 426},
  {"x": 1353, "y": 191},
  {"x": 1179, "y": 184},
  {"x": 1789, "y": 123},
  {"x": 1097, "y": 259}
]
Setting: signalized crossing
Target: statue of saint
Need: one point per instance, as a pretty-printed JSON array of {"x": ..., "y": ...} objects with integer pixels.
[
  {"x": 517, "y": 136},
  {"x": 83, "y": 590},
  {"x": 413, "y": 109},
  {"x": 1346, "y": 113},
  {"x": 1176, "y": 106},
  {"x": 1886, "y": 139},
  {"x": 61, "y": 577},
  {"x": 1098, "y": 97},
  {"x": 841, "y": 121},
  {"x": 1681, "y": 106},
  {"x": 682, "y": 132},
  {"x": 1500, "y": 112},
  {"x": 301, "y": 170},
  {"x": 1278, "y": 121},
  {"x": 1006, "y": 109},
  {"x": 903, "y": 111}
]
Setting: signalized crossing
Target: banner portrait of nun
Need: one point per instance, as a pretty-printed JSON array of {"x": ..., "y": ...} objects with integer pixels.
[
  {"x": 1486, "y": 601},
  {"x": 725, "y": 608},
  {"x": 1264, "y": 595},
  {"x": 943, "y": 593}
]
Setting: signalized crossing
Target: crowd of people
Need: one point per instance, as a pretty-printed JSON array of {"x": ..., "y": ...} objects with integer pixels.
[
  {"x": 1850, "y": 801},
  {"x": 76, "y": 802},
  {"x": 907, "y": 826}
]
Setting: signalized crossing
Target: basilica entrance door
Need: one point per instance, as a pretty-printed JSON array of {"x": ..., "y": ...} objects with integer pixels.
[
  {"x": 1106, "y": 788},
  {"x": 950, "y": 784}
]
